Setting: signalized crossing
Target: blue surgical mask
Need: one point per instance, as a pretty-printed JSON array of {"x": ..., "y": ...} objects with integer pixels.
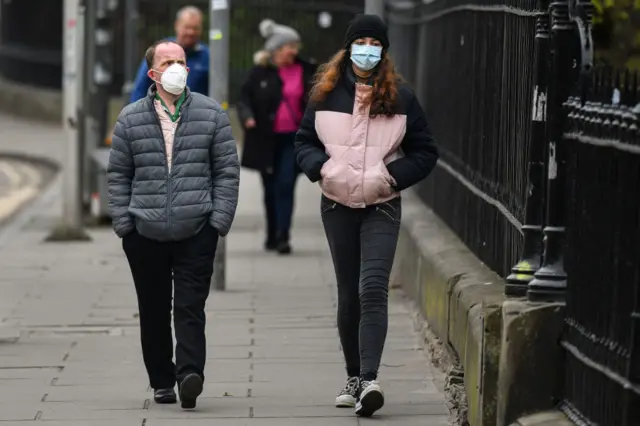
[{"x": 365, "y": 56}]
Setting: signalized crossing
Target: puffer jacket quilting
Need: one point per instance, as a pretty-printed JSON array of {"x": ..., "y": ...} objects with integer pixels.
[
  {"x": 202, "y": 185},
  {"x": 362, "y": 160}
]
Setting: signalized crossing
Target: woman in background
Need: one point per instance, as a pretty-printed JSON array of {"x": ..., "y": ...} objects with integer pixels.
[
  {"x": 272, "y": 104},
  {"x": 365, "y": 138}
]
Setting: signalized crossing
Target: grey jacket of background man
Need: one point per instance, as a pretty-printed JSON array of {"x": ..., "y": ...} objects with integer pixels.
[{"x": 202, "y": 185}]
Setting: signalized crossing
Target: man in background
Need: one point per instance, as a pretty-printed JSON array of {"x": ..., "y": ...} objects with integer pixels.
[{"x": 188, "y": 27}]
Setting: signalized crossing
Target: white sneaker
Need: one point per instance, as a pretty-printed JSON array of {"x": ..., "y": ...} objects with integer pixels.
[
  {"x": 370, "y": 398},
  {"x": 347, "y": 397}
]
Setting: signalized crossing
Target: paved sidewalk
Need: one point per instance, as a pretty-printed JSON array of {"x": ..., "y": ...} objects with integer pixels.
[{"x": 274, "y": 357}]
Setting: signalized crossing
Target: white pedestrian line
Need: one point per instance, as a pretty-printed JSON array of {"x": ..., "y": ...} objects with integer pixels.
[
  {"x": 32, "y": 174},
  {"x": 9, "y": 170},
  {"x": 23, "y": 184}
]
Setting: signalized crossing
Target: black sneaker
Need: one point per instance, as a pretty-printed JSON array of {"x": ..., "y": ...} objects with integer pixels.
[
  {"x": 347, "y": 397},
  {"x": 370, "y": 398},
  {"x": 165, "y": 396},
  {"x": 190, "y": 389}
]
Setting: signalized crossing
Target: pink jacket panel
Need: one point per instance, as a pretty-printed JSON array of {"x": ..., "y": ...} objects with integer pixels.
[{"x": 359, "y": 148}]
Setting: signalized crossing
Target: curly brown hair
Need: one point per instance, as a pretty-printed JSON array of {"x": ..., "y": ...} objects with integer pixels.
[{"x": 384, "y": 96}]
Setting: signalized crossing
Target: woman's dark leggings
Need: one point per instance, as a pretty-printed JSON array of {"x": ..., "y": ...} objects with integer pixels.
[{"x": 363, "y": 245}]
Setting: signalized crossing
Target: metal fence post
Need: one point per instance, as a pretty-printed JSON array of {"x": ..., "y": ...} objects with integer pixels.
[
  {"x": 219, "y": 34},
  {"x": 550, "y": 281},
  {"x": 71, "y": 227},
  {"x": 531, "y": 257}
]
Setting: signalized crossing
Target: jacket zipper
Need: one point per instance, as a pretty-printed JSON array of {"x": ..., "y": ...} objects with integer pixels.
[
  {"x": 166, "y": 161},
  {"x": 364, "y": 154}
]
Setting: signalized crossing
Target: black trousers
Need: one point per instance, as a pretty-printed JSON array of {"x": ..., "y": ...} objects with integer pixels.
[
  {"x": 161, "y": 271},
  {"x": 363, "y": 246}
]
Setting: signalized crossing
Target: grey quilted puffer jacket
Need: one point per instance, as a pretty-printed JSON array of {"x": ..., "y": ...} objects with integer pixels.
[{"x": 202, "y": 186}]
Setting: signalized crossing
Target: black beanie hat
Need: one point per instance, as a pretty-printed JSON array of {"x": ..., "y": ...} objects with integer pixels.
[{"x": 366, "y": 26}]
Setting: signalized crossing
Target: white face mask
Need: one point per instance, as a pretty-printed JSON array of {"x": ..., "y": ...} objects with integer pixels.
[{"x": 174, "y": 79}]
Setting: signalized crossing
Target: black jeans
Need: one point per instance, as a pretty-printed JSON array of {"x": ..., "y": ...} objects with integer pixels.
[
  {"x": 160, "y": 270},
  {"x": 279, "y": 189},
  {"x": 363, "y": 245}
]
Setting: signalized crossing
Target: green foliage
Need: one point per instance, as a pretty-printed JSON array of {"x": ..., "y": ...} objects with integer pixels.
[{"x": 617, "y": 32}]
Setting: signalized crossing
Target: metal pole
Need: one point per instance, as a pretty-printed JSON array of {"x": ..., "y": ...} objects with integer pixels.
[
  {"x": 90, "y": 141},
  {"x": 103, "y": 71},
  {"x": 531, "y": 258},
  {"x": 374, "y": 7},
  {"x": 550, "y": 281},
  {"x": 219, "y": 33},
  {"x": 71, "y": 227},
  {"x": 99, "y": 70},
  {"x": 131, "y": 58}
]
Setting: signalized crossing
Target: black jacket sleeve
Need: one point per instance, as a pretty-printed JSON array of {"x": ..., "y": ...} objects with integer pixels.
[
  {"x": 244, "y": 107},
  {"x": 309, "y": 150},
  {"x": 420, "y": 151}
]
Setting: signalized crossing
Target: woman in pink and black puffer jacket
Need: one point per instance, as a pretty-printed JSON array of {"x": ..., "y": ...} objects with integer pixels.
[{"x": 365, "y": 138}]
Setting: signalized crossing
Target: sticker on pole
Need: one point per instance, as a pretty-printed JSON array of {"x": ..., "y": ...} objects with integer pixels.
[
  {"x": 70, "y": 46},
  {"x": 219, "y": 5},
  {"x": 215, "y": 35}
]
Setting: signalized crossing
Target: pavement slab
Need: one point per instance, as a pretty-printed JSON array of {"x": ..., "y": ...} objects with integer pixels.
[{"x": 72, "y": 355}]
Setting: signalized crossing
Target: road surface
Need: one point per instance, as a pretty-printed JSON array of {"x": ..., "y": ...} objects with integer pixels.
[{"x": 20, "y": 181}]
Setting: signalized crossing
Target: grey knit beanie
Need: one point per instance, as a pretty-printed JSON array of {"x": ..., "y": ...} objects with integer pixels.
[{"x": 277, "y": 35}]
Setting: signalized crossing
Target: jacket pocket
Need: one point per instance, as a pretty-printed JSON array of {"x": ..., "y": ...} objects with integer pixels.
[
  {"x": 377, "y": 184},
  {"x": 334, "y": 180},
  {"x": 328, "y": 169}
]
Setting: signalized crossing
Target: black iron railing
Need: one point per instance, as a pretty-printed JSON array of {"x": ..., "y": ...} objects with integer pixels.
[
  {"x": 472, "y": 66},
  {"x": 540, "y": 169},
  {"x": 602, "y": 334},
  {"x": 31, "y": 42}
]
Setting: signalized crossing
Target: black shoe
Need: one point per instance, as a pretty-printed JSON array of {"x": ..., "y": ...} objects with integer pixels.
[
  {"x": 165, "y": 396},
  {"x": 271, "y": 245},
  {"x": 284, "y": 247},
  {"x": 190, "y": 389}
]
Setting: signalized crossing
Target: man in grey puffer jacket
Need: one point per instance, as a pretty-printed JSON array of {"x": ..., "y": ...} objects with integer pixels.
[{"x": 173, "y": 190}]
